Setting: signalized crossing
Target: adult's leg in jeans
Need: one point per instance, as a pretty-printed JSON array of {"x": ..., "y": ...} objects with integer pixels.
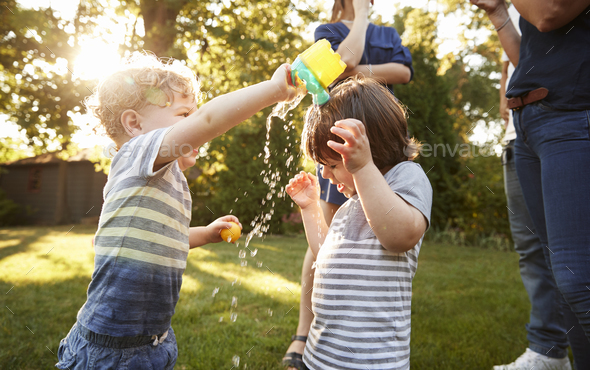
[
  {"x": 305, "y": 314},
  {"x": 552, "y": 157},
  {"x": 546, "y": 329}
]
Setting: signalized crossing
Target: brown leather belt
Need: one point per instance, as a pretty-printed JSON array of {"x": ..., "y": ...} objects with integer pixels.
[{"x": 528, "y": 98}]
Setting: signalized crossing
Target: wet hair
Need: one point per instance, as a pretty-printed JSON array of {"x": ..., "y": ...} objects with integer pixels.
[
  {"x": 142, "y": 79},
  {"x": 375, "y": 106}
]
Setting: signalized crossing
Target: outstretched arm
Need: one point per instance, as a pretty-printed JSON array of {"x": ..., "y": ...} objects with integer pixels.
[
  {"x": 398, "y": 225},
  {"x": 224, "y": 112}
]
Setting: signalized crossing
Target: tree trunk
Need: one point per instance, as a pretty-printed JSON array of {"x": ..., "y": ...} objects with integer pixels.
[{"x": 159, "y": 19}]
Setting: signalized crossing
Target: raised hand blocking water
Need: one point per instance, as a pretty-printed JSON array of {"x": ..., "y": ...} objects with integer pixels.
[{"x": 356, "y": 150}]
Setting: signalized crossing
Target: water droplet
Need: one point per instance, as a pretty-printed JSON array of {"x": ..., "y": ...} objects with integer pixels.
[
  {"x": 228, "y": 239},
  {"x": 233, "y": 317},
  {"x": 244, "y": 263},
  {"x": 236, "y": 360},
  {"x": 220, "y": 318},
  {"x": 235, "y": 281},
  {"x": 215, "y": 291},
  {"x": 259, "y": 264},
  {"x": 269, "y": 312},
  {"x": 234, "y": 301},
  {"x": 253, "y": 253},
  {"x": 242, "y": 253}
]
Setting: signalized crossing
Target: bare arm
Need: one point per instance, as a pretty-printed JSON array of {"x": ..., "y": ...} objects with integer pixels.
[
  {"x": 398, "y": 225},
  {"x": 389, "y": 73},
  {"x": 222, "y": 113},
  {"x": 503, "y": 101},
  {"x": 549, "y": 15},
  {"x": 315, "y": 226},
  {"x": 352, "y": 47},
  {"x": 509, "y": 37},
  {"x": 201, "y": 235},
  {"x": 198, "y": 237},
  {"x": 303, "y": 190}
]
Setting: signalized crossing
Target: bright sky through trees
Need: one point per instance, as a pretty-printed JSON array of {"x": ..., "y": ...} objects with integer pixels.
[{"x": 99, "y": 56}]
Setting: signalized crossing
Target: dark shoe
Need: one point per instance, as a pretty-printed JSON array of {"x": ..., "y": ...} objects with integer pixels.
[{"x": 294, "y": 359}]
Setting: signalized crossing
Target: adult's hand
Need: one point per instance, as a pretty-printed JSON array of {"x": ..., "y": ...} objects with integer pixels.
[
  {"x": 509, "y": 37},
  {"x": 490, "y": 6}
]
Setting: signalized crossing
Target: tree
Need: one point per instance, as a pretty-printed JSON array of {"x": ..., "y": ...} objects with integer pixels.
[
  {"x": 38, "y": 91},
  {"x": 445, "y": 100},
  {"x": 236, "y": 51},
  {"x": 234, "y": 44}
]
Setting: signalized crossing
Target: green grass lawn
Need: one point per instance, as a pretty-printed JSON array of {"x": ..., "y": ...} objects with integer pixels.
[{"x": 468, "y": 311}]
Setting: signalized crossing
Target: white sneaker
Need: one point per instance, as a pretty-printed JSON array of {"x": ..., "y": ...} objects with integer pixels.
[{"x": 531, "y": 360}]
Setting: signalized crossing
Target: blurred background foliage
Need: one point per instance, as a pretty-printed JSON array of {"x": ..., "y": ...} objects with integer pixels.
[{"x": 232, "y": 44}]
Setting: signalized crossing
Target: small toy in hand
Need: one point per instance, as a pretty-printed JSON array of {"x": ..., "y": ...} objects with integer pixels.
[{"x": 232, "y": 234}]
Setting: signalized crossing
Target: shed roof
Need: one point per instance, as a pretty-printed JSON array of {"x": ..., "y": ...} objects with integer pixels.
[{"x": 52, "y": 158}]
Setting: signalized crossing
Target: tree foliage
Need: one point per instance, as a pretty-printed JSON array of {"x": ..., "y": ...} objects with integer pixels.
[
  {"x": 232, "y": 44},
  {"x": 445, "y": 100},
  {"x": 37, "y": 89}
]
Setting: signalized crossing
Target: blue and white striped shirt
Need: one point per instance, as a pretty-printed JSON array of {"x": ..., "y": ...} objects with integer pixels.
[{"x": 141, "y": 243}]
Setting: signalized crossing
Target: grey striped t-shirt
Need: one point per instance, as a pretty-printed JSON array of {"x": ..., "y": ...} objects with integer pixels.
[
  {"x": 141, "y": 243},
  {"x": 362, "y": 293}
]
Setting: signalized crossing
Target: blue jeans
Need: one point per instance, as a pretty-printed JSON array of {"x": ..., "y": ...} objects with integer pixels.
[
  {"x": 552, "y": 156},
  {"x": 76, "y": 353},
  {"x": 546, "y": 328}
]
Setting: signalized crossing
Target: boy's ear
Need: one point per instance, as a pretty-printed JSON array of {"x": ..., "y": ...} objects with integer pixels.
[{"x": 130, "y": 121}]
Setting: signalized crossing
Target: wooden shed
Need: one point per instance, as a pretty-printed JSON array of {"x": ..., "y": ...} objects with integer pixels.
[{"x": 57, "y": 191}]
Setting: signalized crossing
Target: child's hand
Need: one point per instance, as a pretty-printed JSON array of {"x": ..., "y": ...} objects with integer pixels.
[
  {"x": 356, "y": 150},
  {"x": 282, "y": 79},
  {"x": 215, "y": 227},
  {"x": 303, "y": 189}
]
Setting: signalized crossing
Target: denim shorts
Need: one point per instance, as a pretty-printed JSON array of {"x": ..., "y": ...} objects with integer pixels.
[{"x": 76, "y": 353}]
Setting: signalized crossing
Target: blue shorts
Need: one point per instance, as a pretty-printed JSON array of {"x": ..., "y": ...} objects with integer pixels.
[
  {"x": 75, "y": 352},
  {"x": 329, "y": 192}
]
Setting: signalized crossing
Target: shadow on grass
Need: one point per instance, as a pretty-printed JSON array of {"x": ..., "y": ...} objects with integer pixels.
[
  {"x": 15, "y": 240},
  {"x": 266, "y": 315},
  {"x": 468, "y": 310},
  {"x": 41, "y": 306}
]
